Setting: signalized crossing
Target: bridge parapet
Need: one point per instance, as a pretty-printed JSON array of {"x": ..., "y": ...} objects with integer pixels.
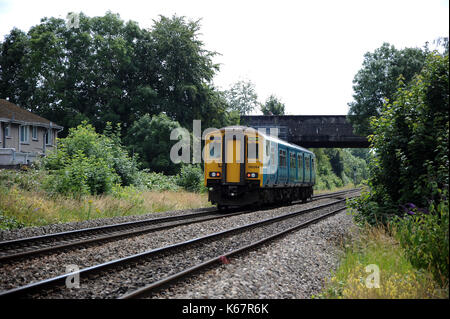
[{"x": 310, "y": 130}]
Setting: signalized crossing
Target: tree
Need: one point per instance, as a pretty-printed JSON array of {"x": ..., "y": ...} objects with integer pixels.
[
  {"x": 150, "y": 138},
  {"x": 376, "y": 82},
  {"x": 411, "y": 136},
  {"x": 273, "y": 106},
  {"x": 108, "y": 70},
  {"x": 242, "y": 97}
]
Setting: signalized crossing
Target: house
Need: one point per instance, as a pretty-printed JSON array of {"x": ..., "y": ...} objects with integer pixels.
[{"x": 24, "y": 136}]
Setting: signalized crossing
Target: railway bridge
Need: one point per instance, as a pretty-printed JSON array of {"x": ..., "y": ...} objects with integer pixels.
[{"x": 310, "y": 130}]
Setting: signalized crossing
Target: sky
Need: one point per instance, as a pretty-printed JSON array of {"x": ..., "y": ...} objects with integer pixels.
[{"x": 304, "y": 52}]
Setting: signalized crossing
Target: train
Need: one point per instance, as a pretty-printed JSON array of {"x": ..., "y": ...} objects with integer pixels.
[{"x": 244, "y": 166}]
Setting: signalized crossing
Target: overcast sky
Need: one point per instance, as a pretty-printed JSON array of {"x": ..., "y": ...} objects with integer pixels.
[{"x": 305, "y": 52}]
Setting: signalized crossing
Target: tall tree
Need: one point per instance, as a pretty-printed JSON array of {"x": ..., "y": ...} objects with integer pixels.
[
  {"x": 273, "y": 106},
  {"x": 150, "y": 138},
  {"x": 108, "y": 70},
  {"x": 377, "y": 81},
  {"x": 242, "y": 97}
]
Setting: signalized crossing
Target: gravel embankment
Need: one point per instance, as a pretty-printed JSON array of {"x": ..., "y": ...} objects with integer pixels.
[
  {"x": 295, "y": 266},
  {"x": 18, "y": 273}
]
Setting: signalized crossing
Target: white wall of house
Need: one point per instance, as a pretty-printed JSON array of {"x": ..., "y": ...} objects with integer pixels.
[{"x": 22, "y": 146}]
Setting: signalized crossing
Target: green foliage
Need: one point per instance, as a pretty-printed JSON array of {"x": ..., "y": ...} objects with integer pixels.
[
  {"x": 109, "y": 70},
  {"x": 159, "y": 182},
  {"x": 273, "y": 106},
  {"x": 426, "y": 240},
  {"x": 411, "y": 141},
  {"x": 377, "y": 81},
  {"x": 242, "y": 98},
  {"x": 337, "y": 168},
  {"x": 150, "y": 137},
  {"x": 86, "y": 162},
  {"x": 326, "y": 178},
  {"x": 9, "y": 222},
  {"x": 410, "y": 166},
  {"x": 191, "y": 178}
]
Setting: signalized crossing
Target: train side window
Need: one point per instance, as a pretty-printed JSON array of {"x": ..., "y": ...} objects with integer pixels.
[
  {"x": 292, "y": 160},
  {"x": 307, "y": 162}
]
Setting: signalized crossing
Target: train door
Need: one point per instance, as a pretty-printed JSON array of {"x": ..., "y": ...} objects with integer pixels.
[
  {"x": 292, "y": 167},
  {"x": 274, "y": 162},
  {"x": 307, "y": 169},
  {"x": 282, "y": 166},
  {"x": 313, "y": 170},
  {"x": 269, "y": 164},
  {"x": 234, "y": 158},
  {"x": 300, "y": 172}
]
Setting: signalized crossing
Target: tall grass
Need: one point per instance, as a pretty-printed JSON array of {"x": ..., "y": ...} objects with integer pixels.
[
  {"x": 399, "y": 279},
  {"x": 24, "y": 203}
]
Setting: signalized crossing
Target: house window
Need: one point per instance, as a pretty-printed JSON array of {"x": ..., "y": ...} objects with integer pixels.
[
  {"x": 48, "y": 137},
  {"x": 24, "y": 134},
  {"x": 6, "y": 130},
  {"x": 34, "y": 133}
]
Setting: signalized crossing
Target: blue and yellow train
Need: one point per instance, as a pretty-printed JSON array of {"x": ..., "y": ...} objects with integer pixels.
[{"x": 244, "y": 166}]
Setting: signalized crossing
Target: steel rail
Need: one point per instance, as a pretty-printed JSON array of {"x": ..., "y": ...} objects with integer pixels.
[
  {"x": 60, "y": 280},
  {"x": 61, "y": 240},
  {"x": 153, "y": 287}
]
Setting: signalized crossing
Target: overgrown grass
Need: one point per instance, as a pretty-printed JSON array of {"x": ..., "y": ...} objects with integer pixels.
[
  {"x": 398, "y": 278},
  {"x": 23, "y": 202},
  {"x": 336, "y": 189}
]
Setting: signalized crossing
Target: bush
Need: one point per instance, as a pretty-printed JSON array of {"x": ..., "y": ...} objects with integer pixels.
[
  {"x": 86, "y": 162},
  {"x": 191, "y": 178},
  {"x": 411, "y": 146},
  {"x": 159, "y": 181},
  {"x": 425, "y": 237}
]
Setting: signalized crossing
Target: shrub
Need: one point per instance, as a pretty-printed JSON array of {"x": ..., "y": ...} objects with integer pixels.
[
  {"x": 411, "y": 145},
  {"x": 159, "y": 181},
  {"x": 191, "y": 178},
  {"x": 425, "y": 237},
  {"x": 86, "y": 162}
]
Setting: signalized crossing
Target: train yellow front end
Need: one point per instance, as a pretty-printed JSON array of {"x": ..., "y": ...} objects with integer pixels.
[{"x": 233, "y": 166}]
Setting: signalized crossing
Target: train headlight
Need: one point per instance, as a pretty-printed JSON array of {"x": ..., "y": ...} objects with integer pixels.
[
  {"x": 252, "y": 175},
  {"x": 214, "y": 174}
]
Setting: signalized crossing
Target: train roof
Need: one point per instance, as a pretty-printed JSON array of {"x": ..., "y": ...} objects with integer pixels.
[{"x": 267, "y": 137}]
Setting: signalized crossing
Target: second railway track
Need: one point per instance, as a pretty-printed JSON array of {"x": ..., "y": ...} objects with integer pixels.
[
  {"x": 125, "y": 276},
  {"x": 31, "y": 246}
]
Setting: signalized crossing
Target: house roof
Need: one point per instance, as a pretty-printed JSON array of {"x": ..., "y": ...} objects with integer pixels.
[{"x": 9, "y": 112}]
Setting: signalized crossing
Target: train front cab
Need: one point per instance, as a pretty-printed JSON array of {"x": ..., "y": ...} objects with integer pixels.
[{"x": 233, "y": 167}]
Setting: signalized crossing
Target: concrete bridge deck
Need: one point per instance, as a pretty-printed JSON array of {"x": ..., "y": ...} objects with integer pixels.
[{"x": 310, "y": 131}]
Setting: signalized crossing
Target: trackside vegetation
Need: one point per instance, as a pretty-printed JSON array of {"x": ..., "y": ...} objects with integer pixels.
[{"x": 404, "y": 214}]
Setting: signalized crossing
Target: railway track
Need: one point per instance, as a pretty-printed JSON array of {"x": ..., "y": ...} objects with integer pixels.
[
  {"x": 31, "y": 246},
  {"x": 140, "y": 274}
]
